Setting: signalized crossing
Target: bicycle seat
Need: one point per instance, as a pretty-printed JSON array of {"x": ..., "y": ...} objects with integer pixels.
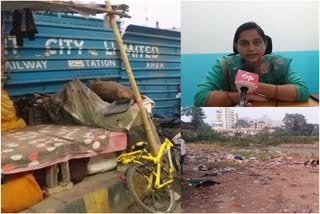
[{"x": 139, "y": 145}]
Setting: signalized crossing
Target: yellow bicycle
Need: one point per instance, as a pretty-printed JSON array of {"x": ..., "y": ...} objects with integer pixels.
[{"x": 148, "y": 180}]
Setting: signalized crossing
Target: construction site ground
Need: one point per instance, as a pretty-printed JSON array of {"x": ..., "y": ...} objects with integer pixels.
[{"x": 268, "y": 179}]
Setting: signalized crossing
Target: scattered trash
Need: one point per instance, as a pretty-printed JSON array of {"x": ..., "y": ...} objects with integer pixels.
[
  {"x": 177, "y": 196},
  {"x": 307, "y": 210},
  {"x": 203, "y": 168},
  {"x": 266, "y": 180},
  {"x": 201, "y": 183},
  {"x": 253, "y": 173},
  {"x": 238, "y": 157},
  {"x": 229, "y": 157},
  {"x": 256, "y": 170},
  {"x": 206, "y": 183},
  {"x": 210, "y": 168},
  {"x": 303, "y": 196},
  {"x": 256, "y": 181},
  {"x": 210, "y": 174},
  {"x": 192, "y": 181}
]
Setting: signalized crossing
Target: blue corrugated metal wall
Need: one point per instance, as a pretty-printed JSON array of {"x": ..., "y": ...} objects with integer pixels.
[
  {"x": 69, "y": 47},
  {"x": 154, "y": 55}
]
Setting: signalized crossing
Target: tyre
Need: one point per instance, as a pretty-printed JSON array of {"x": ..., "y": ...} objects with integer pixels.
[{"x": 149, "y": 198}]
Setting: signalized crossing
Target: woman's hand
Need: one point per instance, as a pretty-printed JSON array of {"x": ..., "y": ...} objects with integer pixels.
[{"x": 256, "y": 98}]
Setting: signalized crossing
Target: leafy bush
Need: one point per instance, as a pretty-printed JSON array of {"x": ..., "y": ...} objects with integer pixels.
[{"x": 258, "y": 140}]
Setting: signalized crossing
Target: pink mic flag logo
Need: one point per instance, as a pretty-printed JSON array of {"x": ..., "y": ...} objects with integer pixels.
[{"x": 247, "y": 77}]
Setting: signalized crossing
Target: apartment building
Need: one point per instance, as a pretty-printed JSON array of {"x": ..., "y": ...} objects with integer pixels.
[{"x": 227, "y": 116}]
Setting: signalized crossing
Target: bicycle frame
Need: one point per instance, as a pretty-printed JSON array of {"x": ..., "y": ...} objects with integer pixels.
[{"x": 136, "y": 156}]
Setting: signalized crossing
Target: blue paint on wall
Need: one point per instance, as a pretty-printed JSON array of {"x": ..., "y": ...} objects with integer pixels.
[
  {"x": 69, "y": 47},
  {"x": 194, "y": 68}
]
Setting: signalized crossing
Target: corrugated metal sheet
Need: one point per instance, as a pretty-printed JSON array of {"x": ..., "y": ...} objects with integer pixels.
[
  {"x": 154, "y": 55},
  {"x": 69, "y": 47}
]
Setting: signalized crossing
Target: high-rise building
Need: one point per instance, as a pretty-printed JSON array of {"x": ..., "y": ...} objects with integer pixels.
[{"x": 227, "y": 116}]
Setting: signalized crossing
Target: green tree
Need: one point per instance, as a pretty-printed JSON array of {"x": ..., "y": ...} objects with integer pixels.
[
  {"x": 294, "y": 123},
  {"x": 241, "y": 124},
  {"x": 186, "y": 111},
  {"x": 196, "y": 113},
  {"x": 308, "y": 129},
  {"x": 280, "y": 132}
]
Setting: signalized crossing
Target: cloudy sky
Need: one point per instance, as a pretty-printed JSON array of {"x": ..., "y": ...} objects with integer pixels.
[{"x": 148, "y": 12}]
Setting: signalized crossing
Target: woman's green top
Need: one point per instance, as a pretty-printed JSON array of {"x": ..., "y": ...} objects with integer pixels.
[{"x": 275, "y": 70}]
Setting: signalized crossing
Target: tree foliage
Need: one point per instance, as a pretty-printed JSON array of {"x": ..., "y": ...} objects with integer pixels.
[
  {"x": 278, "y": 132},
  {"x": 241, "y": 124},
  {"x": 308, "y": 130},
  {"x": 196, "y": 113},
  {"x": 295, "y": 124}
]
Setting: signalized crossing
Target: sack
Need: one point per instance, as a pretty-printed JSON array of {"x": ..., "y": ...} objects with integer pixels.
[
  {"x": 110, "y": 91},
  {"x": 9, "y": 120},
  {"x": 8, "y": 111},
  {"x": 102, "y": 163},
  {"x": 13, "y": 124},
  {"x": 20, "y": 193}
]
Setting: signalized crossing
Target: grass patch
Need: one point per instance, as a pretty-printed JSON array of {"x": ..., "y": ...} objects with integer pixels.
[{"x": 263, "y": 156}]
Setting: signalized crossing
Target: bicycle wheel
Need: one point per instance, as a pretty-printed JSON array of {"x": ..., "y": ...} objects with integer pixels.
[{"x": 140, "y": 181}]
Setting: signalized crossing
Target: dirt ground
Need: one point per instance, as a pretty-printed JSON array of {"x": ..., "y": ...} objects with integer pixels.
[{"x": 269, "y": 181}]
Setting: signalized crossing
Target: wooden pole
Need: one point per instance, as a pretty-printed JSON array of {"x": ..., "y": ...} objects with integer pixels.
[{"x": 136, "y": 93}]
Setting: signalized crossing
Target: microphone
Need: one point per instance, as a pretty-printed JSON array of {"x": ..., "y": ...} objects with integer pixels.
[{"x": 246, "y": 81}]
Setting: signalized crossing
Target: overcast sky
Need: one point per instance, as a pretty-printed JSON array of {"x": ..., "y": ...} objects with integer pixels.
[
  {"x": 147, "y": 12},
  {"x": 275, "y": 113}
]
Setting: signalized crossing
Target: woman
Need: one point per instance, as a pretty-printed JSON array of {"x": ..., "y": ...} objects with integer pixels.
[{"x": 277, "y": 80}]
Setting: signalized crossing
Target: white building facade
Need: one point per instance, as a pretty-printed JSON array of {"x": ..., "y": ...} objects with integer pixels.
[{"x": 227, "y": 116}]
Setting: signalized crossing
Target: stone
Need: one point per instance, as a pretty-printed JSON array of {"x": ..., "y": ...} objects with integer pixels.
[
  {"x": 256, "y": 181},
  {"x": 303, "y": 196}
]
